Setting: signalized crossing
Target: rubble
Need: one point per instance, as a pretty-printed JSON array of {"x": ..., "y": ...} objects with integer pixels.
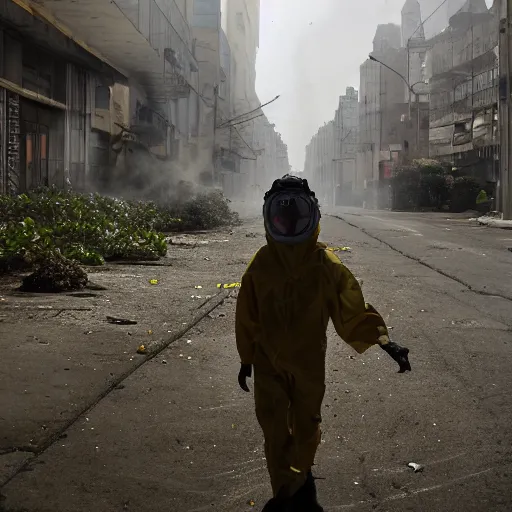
[
  {"x": 494, "y": 222},
  {"x": 120, "y": 321}
]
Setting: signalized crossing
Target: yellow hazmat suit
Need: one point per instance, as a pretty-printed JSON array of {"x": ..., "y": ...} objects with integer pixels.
[{"x": 288, "y": 295}]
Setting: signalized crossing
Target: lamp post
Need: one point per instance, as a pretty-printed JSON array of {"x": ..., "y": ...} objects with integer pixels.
[{"x": 411, "y": 90}]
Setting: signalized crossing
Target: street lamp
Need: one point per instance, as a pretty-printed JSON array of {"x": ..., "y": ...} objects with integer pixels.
[{"x": 411, "y": 90}]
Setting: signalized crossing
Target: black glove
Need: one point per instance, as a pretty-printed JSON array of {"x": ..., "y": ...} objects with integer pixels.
[
  {"x": 399, "y": 354},
  {"x": 244, "y": 373}
]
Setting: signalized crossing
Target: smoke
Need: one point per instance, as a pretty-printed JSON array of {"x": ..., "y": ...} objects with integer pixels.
[
  {"x": 310, "y": 55},
  {"x": 137, "y": 174}
]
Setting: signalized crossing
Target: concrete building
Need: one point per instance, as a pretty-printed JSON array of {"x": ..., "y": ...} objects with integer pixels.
[
  {"x": 211, "y": 50},
  {"x": 393, "y": 121},
  {"x": 412, "y": 27},
  {"x": 241, "y": 24},
  {"x": 253, "y": 153},
  {"x": 384, "y": 136},
  {"x": 330, "y": 163},
  {"x": 346, "y": 126},
  {"x": 320, "y": 166},
  {"x": 128, "y": 100},
  {"x": 271, "y": 156},
  {"x": 462, "y": 68},
  {"x": 52, "y": 104},
  {"x": 438, "y": 15}
]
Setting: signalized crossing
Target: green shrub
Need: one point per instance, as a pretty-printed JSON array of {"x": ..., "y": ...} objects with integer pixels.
[
  {"x": 463, "y": 194},
  {"x": 207, "y": 211},
  {"x": 90, "y": 229},
  {"x": 421, "y": 184},
  {"x": 406, "y": 187}
]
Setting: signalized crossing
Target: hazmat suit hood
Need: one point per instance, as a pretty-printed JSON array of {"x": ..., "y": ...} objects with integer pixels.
[
  {"x": 291, "y": 218},
  {"x": 293, "y": 257}
]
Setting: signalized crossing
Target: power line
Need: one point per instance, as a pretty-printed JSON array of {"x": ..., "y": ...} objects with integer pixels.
[
  {"x": 244, "y": 141},
  {"x": 250, "y": 111},
  {"x": 427, "y": 18},
  {"x": 240, "y": 122}
]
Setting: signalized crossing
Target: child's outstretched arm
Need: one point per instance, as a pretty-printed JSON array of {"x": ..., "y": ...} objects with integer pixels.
[{"x": 359, "y": 324}]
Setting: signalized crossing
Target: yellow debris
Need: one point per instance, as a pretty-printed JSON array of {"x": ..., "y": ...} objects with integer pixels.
[
  {"x": 153, "y": 281},
  {"x": 251, "y": 503},
  {"x": 230, "y": 285},
  {"x": 339, "y": 249},
  {"x": 295, "y": 470},
  {"x": 141, "y": 349}
]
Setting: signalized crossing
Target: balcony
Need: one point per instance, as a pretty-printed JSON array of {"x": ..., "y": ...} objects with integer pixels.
[{"x": 148, "y": 40}]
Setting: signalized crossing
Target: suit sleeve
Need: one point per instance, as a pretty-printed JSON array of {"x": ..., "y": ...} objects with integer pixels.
[
  {"x": 246, "y": 320},
  {"x": 359, "y": 324}
]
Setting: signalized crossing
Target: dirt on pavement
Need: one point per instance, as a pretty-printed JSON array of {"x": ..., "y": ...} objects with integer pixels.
[
  {"x": 62, "y": 352},
  {"x": 178, "y": 434}
]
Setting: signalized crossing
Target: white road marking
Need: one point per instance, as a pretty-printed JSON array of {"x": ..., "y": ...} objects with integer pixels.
[{"x": 399, "y": 226}]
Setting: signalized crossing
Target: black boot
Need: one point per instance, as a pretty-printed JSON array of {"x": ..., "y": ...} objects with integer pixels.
[
  {"x": 305, "y": 500},
  {"x": 278, "y": 505}
]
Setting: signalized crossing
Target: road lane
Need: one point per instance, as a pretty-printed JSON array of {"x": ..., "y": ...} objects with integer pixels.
[{"x": 180, "y": 436}]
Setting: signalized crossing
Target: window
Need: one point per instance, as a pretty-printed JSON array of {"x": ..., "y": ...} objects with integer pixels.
[
  {"x": 38, "y": 71},
  {"x": 102, "y": 97}
]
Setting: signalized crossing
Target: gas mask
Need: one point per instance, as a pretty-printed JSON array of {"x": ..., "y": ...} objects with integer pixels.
[{"x": 290, "y": 211}]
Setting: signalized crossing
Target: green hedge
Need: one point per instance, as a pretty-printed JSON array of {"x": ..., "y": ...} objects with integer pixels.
[
  {"x": 92, "y": 228},
  {"x": 430, "y": 184}
]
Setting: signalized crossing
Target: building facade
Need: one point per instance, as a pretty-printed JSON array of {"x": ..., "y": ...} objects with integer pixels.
[
  {"x": 385, "y": 133},
  {"x": 330, "y": 163},
  {"x": 462, "y": 68},
  {"x": 437, "y": 16},
  {"x": 346, "y": 126},
  {"x": 320, "y": 166},
  {"x": 123, "y": 75},
  {"x": 52, "y": 102},
  {"x": 251, "y": 152},
  {"x": 393, "y": 106}
]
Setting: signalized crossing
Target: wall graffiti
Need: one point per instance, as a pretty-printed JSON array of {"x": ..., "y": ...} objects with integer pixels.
[{"x": 13, "y": 143}]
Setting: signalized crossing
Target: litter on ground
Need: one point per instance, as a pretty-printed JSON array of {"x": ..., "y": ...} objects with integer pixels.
[{"x": 417, "y": 467}]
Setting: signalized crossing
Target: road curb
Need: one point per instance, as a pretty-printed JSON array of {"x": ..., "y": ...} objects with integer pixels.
[{"x": 153, "y": 351}]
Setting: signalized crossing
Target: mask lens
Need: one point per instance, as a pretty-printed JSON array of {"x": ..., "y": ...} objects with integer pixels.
[{"x": 290, "y": 215}]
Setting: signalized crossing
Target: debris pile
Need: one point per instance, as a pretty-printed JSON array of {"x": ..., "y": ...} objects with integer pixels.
[{"x": 55, "y": 274}]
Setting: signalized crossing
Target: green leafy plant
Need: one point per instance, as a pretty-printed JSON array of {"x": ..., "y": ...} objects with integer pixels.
[
  {"x": 90, "y": 228},
  {"x": 464, "y": 193},
  {"x": 423, "y": 183},
  {"x": 207, "y": 211}
]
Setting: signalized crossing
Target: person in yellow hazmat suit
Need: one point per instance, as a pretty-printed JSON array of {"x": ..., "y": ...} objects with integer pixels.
[{"x": 290, "y": 290}]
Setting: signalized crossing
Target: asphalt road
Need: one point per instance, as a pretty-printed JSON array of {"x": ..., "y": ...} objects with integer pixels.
[{"x": 179, "y": 436}]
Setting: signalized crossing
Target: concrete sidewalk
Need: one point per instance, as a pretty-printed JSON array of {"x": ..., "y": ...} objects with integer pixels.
[{"x": 60, "y": 355}]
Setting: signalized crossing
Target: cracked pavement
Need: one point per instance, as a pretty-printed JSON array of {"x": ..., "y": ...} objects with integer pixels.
[{"x": 177, "y": 434}]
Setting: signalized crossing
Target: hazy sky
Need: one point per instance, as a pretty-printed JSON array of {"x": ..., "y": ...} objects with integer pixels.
[{"x": 310, "y": 51}]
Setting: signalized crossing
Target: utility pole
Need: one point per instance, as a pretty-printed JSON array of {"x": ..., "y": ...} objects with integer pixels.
[
  {"x": 418, "y": 124},
  {"x": 505, "y": 63},
  {"x": 215, "y": 105}
]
